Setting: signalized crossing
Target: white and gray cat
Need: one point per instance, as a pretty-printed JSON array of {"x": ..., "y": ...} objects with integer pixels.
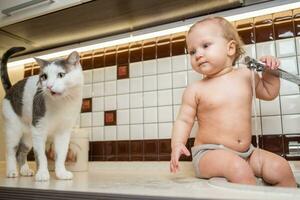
[{"x": 37, "y": 107}]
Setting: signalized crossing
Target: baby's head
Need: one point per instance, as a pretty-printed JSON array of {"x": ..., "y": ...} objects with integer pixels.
[{"x": 228, "y": 32}]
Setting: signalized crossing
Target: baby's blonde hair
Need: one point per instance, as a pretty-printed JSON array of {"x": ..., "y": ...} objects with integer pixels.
[{"x": 229, "y": 33}]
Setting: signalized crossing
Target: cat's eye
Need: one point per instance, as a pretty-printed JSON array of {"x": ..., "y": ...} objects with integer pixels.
[
  {"x": 43, "y": 77},
  {"x": 61, "y": 75}
]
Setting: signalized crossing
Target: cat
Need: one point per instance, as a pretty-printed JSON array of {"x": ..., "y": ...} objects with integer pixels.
[{"x": 39, "y": 106}]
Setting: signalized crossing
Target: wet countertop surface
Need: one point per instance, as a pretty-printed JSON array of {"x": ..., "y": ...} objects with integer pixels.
[{"x": 151, "y": 179}]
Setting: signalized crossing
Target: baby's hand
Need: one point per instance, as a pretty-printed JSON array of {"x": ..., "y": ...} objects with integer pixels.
[
  {"x": 177, "y": 151},
  {"x": 271, "y": 62}
]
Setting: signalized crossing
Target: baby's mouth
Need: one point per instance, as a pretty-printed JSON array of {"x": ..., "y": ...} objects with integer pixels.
[{"x": 201, "y": 63}]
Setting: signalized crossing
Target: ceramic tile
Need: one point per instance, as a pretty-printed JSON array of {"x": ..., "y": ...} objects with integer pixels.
[
  {"x": 149, "y": 67},
  {"x": 265, "y": 48},
  {"x": 179, "y": 63},
  {"x": 85, "y": 120},
  {"x": 289, "y": 64},
  {"x": 270, "y": 107},
  {"x": 271, "y": 125},
  {"x": 88, "y": 76},
  {"x": 123, "y": 132},
  {"x": 290, "y": 104},
  {"x": 136, "y": 84},
  {"x": 285, "y": 47},
  {"x": 150, "y": 99},
  {"x": 110, "y": 103},
  {"x": 165, "y": 114},
  {"x": 110, "y": 73},
  {"x": 87, "y": 91},
  {"x": 123, "y": 101},
  {"x": 150, "y": 131},
  {"x": 165, "y": 130},
  {"x": 164, "y": 65},
  {"x": 150, "y": 83},
  {"x": 150, "y": 115},
  {"x": 177, "y": 95},
  {"x": 175, "y": 111},
  {"x": 256, "y": 129},
  {"x": 179, "y": 79},
  {"x": 98, "y": 104},
  {"x": 298, "y": 45},
  {"x": 97, "y": 134},
  {"x": 98, "y": 75},
  {"x": 98, "y": 89},
  {"x": 137, "y": 132},
  {"x": 164, "y": 97},
  {"x": 110, "y": 133},
  {"x": 136, "y": 116},
  {"x": 287, "y": 87},
  {"x": 250, "y": 50},
  {"x": 110, "y": 88},
  {"x": 291, "y": 123},
  {"x": 258, "y": 109},
  {"x": 123, "y": 86},
  {"x": 164, "y": 81},
  {"x": 136, "y": 69},
  {"x": 110, "y": 118},
  {"x": 193, "y": 76},
  {"x": 98, "y": 119},
  {"x": 136, "y": 100},
  {"x": 123, "y": 117}
]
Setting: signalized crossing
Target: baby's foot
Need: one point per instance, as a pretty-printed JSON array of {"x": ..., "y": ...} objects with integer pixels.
[
  {"x": 12, "y": 173},
  {"x": 42, "y": 175},
  {"x": 64, "y": 174},
  {"x": 26, "y": 171}
]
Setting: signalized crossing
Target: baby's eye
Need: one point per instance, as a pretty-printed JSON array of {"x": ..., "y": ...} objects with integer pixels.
[
  {"x": 192, "y": 52},
  {"x": 43, "y": 77},
  {"x": 61, "y": 75},
  {"x": 206, "y": 45}
]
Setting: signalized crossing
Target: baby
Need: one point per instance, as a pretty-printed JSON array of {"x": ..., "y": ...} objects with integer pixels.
[{"x": 222, "y": 102}]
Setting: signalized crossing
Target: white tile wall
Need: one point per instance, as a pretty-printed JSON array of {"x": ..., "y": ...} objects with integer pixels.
[
  {"x": 148, "y": 102},
  {"x": 271, "y": 125},
  {"x": 265, "y": 48},
  {"x": 110, "y": 73},
  {"x": 149, "y": 67},
  {"x": 164, "y": 65},
  {"x": 286, "y": 47},
  {"x": 150, "y": 83},
  {"x": 165, "y": 130},
  {"x": 150, "y": 99},
  {"x": 98, "y": 75},
  {"x": 136, "y": 69},
  {"x": 291, "y": 123}
]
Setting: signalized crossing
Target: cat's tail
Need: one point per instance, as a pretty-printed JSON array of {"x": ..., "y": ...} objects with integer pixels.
[{"x": 3, "y": 67}]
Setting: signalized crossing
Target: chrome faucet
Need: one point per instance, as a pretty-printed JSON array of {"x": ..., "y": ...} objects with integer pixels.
[{"x": 259, "y": 66}]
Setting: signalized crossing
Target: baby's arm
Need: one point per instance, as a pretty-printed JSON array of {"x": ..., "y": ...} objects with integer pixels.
[
  {"x": 267, "y": 87},
  {"x": 182, "y": 127}
]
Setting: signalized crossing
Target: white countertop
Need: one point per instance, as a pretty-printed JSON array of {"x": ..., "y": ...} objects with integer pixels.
[{"x": 152, "y": 179}]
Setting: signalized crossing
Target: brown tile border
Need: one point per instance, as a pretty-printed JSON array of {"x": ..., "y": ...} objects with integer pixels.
[
  {"x": 160, "y": 149},
  {"x": 87, "y": 105}
]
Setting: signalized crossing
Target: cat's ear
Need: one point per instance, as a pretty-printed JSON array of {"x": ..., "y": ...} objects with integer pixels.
[
  {"x": 42, "y": 63},
  {"x": 73, "y": 58}
]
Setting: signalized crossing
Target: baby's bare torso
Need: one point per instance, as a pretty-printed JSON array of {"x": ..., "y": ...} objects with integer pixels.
[{"x": 224, "y": 110}]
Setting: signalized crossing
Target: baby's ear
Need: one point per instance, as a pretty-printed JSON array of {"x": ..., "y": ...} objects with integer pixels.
[{"x": 231, "y": 48}]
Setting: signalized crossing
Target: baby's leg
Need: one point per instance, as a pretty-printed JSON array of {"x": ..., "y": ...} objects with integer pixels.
[
  {"x": 274, "y": 169},
  {"x": 222, "y": 163}
]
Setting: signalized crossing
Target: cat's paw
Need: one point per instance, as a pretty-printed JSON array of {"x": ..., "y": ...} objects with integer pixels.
[
  {"x": 26, "y": 171},
  {"x": 12, "y": 173},
  {"x": 64, "y": 174},
  {"x": 42, "y": 175}
]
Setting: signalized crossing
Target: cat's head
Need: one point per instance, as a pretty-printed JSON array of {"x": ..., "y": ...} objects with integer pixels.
[{"x": 59, "y": 78}]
